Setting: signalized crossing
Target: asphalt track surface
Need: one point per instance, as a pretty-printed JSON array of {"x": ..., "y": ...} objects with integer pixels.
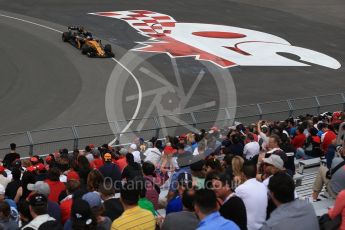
[{"x": 46, "y": 83}]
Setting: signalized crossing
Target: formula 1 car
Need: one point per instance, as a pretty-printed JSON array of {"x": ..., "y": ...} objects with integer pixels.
[{"x": 83, "y": 40}]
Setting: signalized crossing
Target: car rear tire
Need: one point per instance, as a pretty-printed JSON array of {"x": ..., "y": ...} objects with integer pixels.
[
  {"x": 66, "y": 36},
  {"x": 107, "y": 48}
]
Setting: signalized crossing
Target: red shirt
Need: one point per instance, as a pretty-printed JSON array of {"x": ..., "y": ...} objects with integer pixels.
[
  {"x": 122, "y": 163},
  {"x": 56, "y": 187},
  {"x": 299, "y": 140},
  {"x": 97, "y": 163},
  {"x": 66, "y": 207},
  {"x": 327, "y": 139}
]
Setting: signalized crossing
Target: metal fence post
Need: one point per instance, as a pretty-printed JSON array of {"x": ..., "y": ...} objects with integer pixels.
[
  {"x": 118, "y": 133},
  {"x": 157, "y": 126},
  {"x": 260, "y": 111},
  {"x": 31, "y": 143},
  {"x": 193, "y": 119},
  {"x": 343, "y": 97},
  {"x": 291, "y": 108},
  {"x": 76, "y": 137},
  {"x": 318, "y": 104},
  {"x": 227, "y": 114}
]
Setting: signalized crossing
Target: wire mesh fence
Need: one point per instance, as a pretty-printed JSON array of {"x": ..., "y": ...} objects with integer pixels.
[{"x": 46, "y": 141}]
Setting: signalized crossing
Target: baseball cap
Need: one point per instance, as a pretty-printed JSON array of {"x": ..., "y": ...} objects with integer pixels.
[
  {"x": 48, "y": 159},
  {"x": 81, "y": 212},
  {"x": 2, "y": 189},
  {"x": 133, "y": 146},
  {"x": 107, "y": 157},
  {"x": 40, "y": 187},
  {"x": 31, "y": 168},
  {"x": 40, "y": 167},
  {"x": 275, "y": 160},
  {"x": 38, "y": 200},
  {"x": 169, "y": 150},
  {"x": 33, "y": 159},
  {"x": 72, "y": 175},
  {"x": 93, "y": 198}
]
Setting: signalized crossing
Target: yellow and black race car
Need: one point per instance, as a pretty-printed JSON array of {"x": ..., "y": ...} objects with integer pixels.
[{"x": 83, "y": 40}]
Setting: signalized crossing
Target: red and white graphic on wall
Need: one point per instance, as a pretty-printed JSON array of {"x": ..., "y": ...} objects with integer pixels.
[{"x": 225, "y": 46}]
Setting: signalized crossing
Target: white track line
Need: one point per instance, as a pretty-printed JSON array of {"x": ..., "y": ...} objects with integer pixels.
[{"x": 115, "y": 60}]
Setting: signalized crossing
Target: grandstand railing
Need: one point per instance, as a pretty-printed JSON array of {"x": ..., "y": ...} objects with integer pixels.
[{"x": 46, "y": 141}]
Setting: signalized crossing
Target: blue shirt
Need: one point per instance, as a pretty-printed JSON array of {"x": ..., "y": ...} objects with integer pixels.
[
  {"x": 174, "y": 205},
  {"x": 215, "y": 221}
]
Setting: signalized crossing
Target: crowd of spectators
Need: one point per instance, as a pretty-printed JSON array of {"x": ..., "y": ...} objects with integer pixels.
[{"x": 238, "y": 177}]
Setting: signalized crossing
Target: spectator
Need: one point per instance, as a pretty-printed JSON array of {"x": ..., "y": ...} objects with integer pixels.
[
  {"x": 291, "y": 213},
  {"x": 299, "y": 140},
  {"x": 83, "y": 168},
  {"x": 236, "y": 166},
  {"x": 184, "y": 182},
  {"x": 143, "y": 202},
  {"x": 232, "y": 207},
  {"x": 97, "y": 159},
  {"x": 205, "y": 205},
  {"x": 112, "y": 205},
  {"x": 327, "y": 137},
  {"x": 334, "y": 182},
  {"x": 152, "y": 187},
  {"x": 236, "y": 146},
  {"x": 10, "y": 202},
  {"x": 110, "y": 170},
  {"x": 66, "y": 203},
  {"x": 41, "y": 172},
  {"x": 133, "y": 217},
  {"x": 88, "y": 153},
  {"x": 3, "y": 177},
  {"x": 185, "y": 160},
  {"x": 38, "y": 210},
  {"x": 255, "y": 202},
  {"x": 122, "y": 162},
  {"x": 56, "y": 187},
  {"x": 81, "y": 217},
  {"x": 14, "y": 185},
  {"x": 53, "y": 209},
  {"x": 6, "y": 219},
  {"x": 271, "y": 166},
  {"x": 339, "y": 209},
  {"x": 24, "y": 213},
  {"x": 186, "y": 219},
  {"x": 94, "y": 180},
  {"x": 23, "y": 192},
  {"x": 132, "y": 170},
  {"x": 263, "y": 133},
  {"x": 153, "y": 155},
  {"x": 136, "y": 154},
  {"x": 11, "y": 156},
  {"x": 213, "y": 165},
  {"x": 95, "y": 202},
  {"x": 312, "y": 146},
  {"x": 198, "y": 173},
  {"x": 252, "y": 148},
  {"x": 168, "y": 158}
]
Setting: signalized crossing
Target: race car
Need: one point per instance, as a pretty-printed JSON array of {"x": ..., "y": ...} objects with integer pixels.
[{"x": 83, "y": 40}]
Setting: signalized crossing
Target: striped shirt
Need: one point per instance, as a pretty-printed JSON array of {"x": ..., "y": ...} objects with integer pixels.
[{"x": 135, "y": 218}]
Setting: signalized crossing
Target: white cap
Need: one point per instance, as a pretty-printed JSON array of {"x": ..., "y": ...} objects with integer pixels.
[{"x": 133, "y": 146}]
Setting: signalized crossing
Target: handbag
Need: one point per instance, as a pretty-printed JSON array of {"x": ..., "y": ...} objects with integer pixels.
[{"x": 326, "y": 223}]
